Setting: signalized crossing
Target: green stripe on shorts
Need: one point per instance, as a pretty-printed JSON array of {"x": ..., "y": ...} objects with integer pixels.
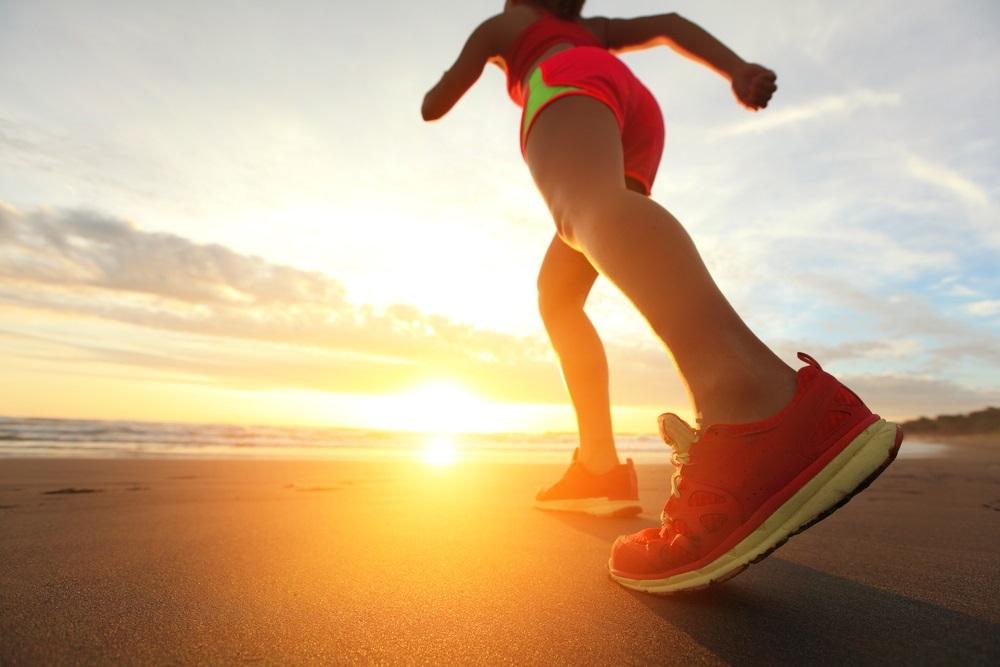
[{"x": 539, "y": 94}]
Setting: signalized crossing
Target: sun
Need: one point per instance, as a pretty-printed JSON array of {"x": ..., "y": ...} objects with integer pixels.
[{"x": 440, "y": 451}]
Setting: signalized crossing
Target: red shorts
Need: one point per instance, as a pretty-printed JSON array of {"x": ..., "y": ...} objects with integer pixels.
[{"x": 596, "y": 73}]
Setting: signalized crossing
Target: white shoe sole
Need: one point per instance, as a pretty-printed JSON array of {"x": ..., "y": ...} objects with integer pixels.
[
  {"x": 845, "y": 475},
  {"x": 601, "y": 507}
]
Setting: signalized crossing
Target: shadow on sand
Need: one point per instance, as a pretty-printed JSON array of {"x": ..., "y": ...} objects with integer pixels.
[{"x": 780, "y": 612}]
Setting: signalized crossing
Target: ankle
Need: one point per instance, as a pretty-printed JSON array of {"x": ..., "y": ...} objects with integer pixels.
[
  {"x": 740, "y": 400},
  {"x": 599, "y": 461}
]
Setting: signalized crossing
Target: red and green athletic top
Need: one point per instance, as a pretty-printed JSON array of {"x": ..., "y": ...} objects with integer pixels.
[{"x": 532, "y": 44}]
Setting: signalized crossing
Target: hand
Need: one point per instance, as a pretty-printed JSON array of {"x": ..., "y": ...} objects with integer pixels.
[
  {"x": 753, "y": 86},
  {"x": 430, "y": 108}
]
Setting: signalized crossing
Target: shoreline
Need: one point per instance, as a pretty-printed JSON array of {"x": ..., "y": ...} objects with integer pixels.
[{"x": 914, "y": 446}]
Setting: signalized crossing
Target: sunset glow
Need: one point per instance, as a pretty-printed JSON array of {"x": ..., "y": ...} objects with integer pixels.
[
  {"x": 442, "y": 406},
  {"x": 440, "y": 451}
]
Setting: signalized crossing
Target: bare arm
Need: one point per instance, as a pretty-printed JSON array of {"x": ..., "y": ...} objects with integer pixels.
[
  {"x": 675, "y": 31},
  {"x": 478, "y": 50},
  {"x": 752, "y": 84}
]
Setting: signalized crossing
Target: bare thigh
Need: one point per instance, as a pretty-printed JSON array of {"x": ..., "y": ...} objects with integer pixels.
[{"x": 575, "y": 156}]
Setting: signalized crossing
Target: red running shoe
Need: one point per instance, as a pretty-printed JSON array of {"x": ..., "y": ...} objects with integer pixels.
[
  {"x": 615, "y": 493},
  {"x": 740, "y": 491}
]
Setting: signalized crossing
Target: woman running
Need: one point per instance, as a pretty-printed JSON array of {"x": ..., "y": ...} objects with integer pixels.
[{"x": 776, "y": 450}]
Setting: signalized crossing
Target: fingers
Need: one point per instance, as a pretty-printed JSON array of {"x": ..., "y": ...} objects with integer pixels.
[
  {"x": 755, "y": 86},
  {"x": 762, "y": 88}
]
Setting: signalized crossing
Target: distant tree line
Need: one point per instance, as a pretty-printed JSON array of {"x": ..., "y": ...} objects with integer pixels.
[{"x": 974, "y": 423}]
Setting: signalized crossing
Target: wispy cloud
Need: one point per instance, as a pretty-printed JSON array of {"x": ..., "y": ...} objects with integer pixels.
[
  {"x": 831, "y": 105},
  {"x": 940, "y": 176},
  {"x": 910, "y": 316},
  {"x": 985, "y": 308},
  {"x": 953, "y": 286}
]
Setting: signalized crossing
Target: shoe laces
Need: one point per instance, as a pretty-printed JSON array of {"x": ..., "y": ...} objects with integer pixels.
[
  {"x": 678, "y": 459},
  {"x": 679, "y": 437}
]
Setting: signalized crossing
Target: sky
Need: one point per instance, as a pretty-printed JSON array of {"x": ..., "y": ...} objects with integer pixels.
[{"x": 233, "y": 212}]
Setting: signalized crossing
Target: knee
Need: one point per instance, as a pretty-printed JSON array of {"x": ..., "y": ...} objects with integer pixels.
[
  {"x": 574, "y": 215},
  {"x": 567, "y": 215}
]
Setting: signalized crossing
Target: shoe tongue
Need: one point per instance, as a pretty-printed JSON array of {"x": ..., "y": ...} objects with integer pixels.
[{"x": 676, "y": 432}]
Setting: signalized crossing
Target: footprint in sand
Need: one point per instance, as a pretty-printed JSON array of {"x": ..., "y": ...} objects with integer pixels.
[
  {"x": 294, "y": 486},
  {"x": 70, "y": 490}
]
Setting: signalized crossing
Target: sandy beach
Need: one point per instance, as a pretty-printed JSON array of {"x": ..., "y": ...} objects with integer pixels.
[{"x": 140, "y": 561}]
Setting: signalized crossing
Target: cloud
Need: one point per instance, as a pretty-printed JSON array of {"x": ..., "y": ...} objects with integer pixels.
[
  {"x": 210, "y": 314},
  {"x": 904, "y": 393},
  {"x": 13, "y": 139},
  {"x": 84, "y": 263},
  {"x": 865, "y": 349},
  {"x": 82, "y": 249},
  {"x": 946, "y": 341},
  {"x": 965, "y": 190},
  {"x": 904, "y": 396},
  {"x": 284, "y": 326},
  {"x": 983, "y": 308},
  {"x": 900, "y": 313},
  {"x": 831, "y": 105},
  {"x": 952, "y": 286}
]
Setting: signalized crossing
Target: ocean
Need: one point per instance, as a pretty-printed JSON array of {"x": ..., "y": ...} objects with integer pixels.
[
  {"x": 90, "y": 438},
  {"x": 87, "y": 438}
]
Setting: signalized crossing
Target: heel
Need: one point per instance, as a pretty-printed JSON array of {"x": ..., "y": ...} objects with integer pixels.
[{"x": 864, "y": 460}]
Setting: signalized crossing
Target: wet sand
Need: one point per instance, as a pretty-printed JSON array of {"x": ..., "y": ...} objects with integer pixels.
[{"x": 137, "y": 561}]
